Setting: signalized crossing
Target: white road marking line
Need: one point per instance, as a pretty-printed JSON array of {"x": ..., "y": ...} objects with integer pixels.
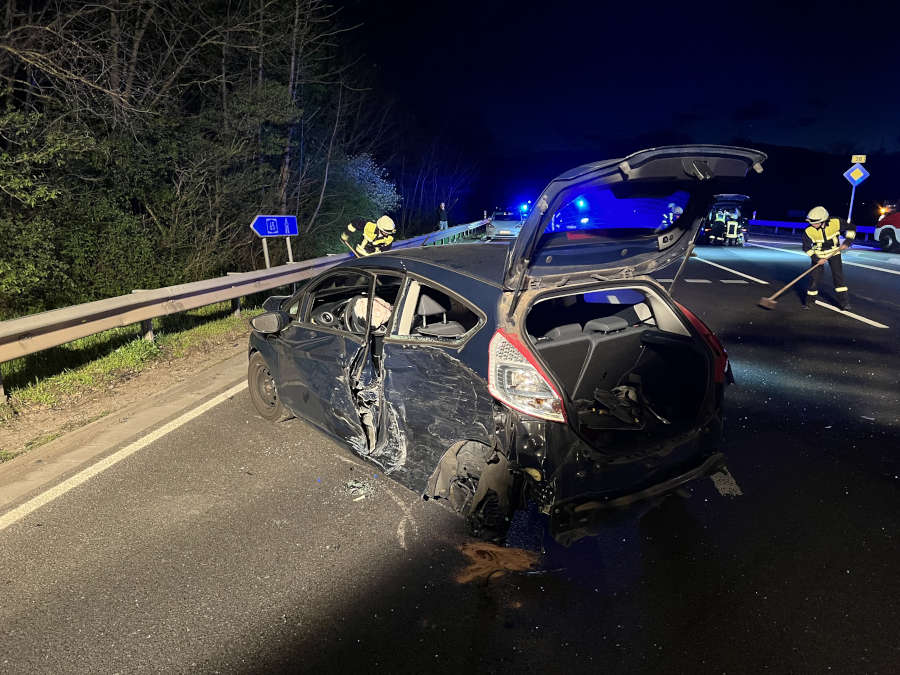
[
  {"x": 665, "y": 281},
  {"x": 728, "y": 269},
  {"x": 851, "y": 315},
  {"x": 845, "y": 261},
  {"x": 734, "y": 281},
  {"x": 698, "y": 281},
  {"x": 725, "y": 483},
  {"x": 85, "y": 475},
  {"x": 407, "y": 514}
]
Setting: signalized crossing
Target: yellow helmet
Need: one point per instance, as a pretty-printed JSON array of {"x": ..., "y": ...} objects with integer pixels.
[
  {"x": 385, "y": 224},
  {"x": 817, "y": 214}
]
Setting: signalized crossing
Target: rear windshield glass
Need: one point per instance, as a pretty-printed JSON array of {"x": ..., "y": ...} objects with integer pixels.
[
  {"x": 504, "y": 215},
  {"x": 617, "y": 212}
]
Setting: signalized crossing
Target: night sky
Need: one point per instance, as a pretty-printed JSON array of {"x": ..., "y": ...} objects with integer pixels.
[{"x": 523, "y": 84}]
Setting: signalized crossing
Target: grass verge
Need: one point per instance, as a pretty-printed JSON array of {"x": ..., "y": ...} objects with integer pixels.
[{"x": 59, "y": 375}]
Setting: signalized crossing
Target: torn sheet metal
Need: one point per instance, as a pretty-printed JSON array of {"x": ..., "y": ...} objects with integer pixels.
[{"x": 435, "y": 400}]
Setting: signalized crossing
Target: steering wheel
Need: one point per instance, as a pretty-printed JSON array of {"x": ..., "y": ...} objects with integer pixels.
[{"x": 351, "y": 322}]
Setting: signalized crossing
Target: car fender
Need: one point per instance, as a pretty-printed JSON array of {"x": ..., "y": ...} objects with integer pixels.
[{"x": 258, "y": 343}]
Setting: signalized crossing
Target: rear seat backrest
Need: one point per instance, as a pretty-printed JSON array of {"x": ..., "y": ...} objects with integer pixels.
[
  {"x": 584, "y": 361},
  {"x": 610, "y": 356},
  {"x": 567, "y": 330},
  {"x": 608, "y": 324}
]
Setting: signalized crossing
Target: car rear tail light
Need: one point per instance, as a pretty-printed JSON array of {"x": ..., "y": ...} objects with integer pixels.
[
  {"x": 720, "y": 366},
  {"x": 516, "y": 379}
]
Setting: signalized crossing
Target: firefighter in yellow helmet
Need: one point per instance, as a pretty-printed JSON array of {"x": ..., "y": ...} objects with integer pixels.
[
  {"x": 821, "y": 242},
  {"x": 377, "y": 237}
]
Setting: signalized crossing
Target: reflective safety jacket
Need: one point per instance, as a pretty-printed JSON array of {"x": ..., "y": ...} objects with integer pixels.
[
  {"x": 825, "y": 241},
  {"x": 373, "y": 240}
]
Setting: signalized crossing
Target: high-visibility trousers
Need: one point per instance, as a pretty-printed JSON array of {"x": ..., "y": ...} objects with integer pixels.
[{"x": 837, "y": 276}]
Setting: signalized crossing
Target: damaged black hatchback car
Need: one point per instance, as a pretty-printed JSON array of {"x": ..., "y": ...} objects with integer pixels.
[{"x": 551, "y": 371}]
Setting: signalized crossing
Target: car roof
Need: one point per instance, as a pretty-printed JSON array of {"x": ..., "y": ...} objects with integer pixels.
[{"x": 483, "y": 260}]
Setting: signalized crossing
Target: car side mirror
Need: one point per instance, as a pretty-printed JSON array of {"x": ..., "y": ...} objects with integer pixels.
[
  {"x": 270, "y": 323},
  {"x": 273, "y": 302}
]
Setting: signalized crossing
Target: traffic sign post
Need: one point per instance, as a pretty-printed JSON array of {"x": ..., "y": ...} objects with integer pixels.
[
  {"x": 275, "y": 226},
  {"x": 855, "y": 175}
]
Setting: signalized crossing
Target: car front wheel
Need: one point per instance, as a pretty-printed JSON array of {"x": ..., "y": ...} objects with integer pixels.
[
  {"x": 888, "y": 241},
  {"x": 262, "y": 391}
]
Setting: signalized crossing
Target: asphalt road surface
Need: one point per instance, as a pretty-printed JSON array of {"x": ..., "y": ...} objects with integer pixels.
[{"x": 231, "y": 545}]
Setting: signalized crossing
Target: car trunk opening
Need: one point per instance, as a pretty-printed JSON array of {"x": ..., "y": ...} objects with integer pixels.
[{"x": 626, "y": 361}]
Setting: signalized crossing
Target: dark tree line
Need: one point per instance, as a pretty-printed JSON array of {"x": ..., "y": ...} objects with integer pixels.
[{"x": 139, "y": 137}]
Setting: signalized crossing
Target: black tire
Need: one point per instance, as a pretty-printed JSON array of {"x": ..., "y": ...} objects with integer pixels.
[
  {"x": 262, "y": 391},
  {"x": 888, "y": 241}
]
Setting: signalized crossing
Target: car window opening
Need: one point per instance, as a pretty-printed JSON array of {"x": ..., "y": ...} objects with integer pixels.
[
  {"x": 434, "y": 315},
  {"x": 616, "y": 212},
  {"x": 611, "y": 352},
  {"x": 342, "y": 302}
]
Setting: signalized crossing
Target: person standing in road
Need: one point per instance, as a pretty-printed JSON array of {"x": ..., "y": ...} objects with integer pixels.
[
  {"x": 821, "y": 242},
  {"x": 442, "y": 217}
]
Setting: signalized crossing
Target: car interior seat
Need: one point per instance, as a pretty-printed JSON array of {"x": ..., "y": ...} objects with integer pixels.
[{"x": 429, "y": 307}]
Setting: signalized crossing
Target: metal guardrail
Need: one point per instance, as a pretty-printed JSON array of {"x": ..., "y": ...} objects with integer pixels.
[{"x": 36, "y": 332}]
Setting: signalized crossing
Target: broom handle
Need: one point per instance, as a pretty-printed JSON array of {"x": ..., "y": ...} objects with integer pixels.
[
  {"x": 352, "y": 250},
  {"x": 772, "y": 297}
]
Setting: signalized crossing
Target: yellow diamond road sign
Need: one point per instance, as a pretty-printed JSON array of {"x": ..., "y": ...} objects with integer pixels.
[
  {"x": 858, "y": 159},
  {"x": 856, "y": 174}
]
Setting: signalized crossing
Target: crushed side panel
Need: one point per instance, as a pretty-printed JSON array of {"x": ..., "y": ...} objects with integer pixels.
[{"x": 433, "y": 400}]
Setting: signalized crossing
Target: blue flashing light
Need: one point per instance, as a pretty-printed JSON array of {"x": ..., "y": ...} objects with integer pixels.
[
  {"x": 580, "y": 203},
  {"x": 523, "y": 207}
]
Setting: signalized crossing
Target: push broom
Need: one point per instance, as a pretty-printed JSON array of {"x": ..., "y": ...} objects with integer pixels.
[{"x": 770, "y": 302}]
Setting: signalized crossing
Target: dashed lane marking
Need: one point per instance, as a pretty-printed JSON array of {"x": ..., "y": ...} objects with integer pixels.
[
  {"x": 851, "y": 315},
  {"x": 845, "y": 261},
  {"x": 734, "y": 281},
  {"x": 85, "y": 475},
  {"x": 728, "y": 269},
  {"x": 698, "y": 281}
]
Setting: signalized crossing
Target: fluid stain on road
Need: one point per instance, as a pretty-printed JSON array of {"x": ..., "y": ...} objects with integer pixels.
[{"x": 487, "y": 560}]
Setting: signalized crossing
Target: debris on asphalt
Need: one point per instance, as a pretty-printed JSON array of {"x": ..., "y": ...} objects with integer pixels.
[{"x": 359, "y": 489}]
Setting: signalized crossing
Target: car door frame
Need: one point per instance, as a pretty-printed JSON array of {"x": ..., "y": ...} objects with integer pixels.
[
  {"x": 341, "y": 404},
  {"x": 410, "y": 446}
]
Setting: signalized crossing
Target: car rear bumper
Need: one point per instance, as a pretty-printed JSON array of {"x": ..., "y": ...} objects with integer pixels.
[{"x": 585, "y": 516}]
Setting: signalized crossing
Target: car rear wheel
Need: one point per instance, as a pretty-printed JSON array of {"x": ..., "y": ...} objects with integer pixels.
[
  {"x": 262, "y": 391},
  {"x": 888, "y": 241}
]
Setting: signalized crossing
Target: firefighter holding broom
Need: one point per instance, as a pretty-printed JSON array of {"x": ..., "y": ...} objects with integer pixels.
[
  {"x": 821, "y": 242},
  {"x": 376, "y": 237}
]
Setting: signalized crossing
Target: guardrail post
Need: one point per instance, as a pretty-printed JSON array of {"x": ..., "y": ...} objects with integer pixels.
[
  {"x": 147, "y": 329},
  {"x": 2, "y": 390},
  {"x": 236, "y": 306}
]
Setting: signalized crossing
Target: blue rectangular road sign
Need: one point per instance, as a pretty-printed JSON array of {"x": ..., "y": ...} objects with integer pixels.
[
  {"x": 275, "y": 226},
  {"x": 856, "y": 174}
]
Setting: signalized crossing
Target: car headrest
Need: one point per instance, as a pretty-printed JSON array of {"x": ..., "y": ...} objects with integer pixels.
[
  {"x": 428, "y": 306},
  {"x": 643, "y": 312},
  {"x": 608, "y": 324},
  {"x": 564, "y": 331}
]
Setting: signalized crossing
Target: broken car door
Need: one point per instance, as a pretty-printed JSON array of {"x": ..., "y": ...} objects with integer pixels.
[
  {"x": 433, "y": 393},
  {"x": 317, "y": 353}
]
